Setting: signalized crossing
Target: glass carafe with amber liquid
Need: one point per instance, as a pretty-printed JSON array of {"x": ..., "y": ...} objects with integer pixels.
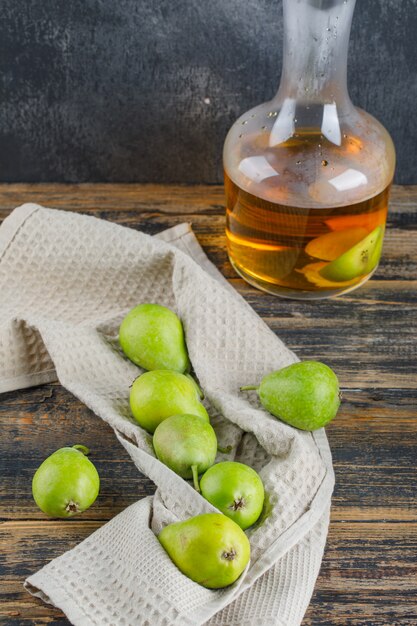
[{"x": 307, "y": 174}]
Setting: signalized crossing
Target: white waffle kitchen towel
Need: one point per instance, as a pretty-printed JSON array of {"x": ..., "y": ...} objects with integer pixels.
[{"x": 66, "y": 281}]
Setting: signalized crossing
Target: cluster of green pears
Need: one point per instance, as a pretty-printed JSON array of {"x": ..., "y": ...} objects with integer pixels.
[{"x": 210, "y": 549}]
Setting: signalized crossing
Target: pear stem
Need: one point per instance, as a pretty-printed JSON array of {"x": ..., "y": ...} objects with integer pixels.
[
  {"x": 194, "y": 470},
  {"x": 82, "y": 449},
  {"x": 249, "y": 388},
  {"x": 225, "y": 450}
]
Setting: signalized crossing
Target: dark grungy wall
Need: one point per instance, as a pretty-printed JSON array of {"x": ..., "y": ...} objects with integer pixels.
[{"x": 145, "y": 90}]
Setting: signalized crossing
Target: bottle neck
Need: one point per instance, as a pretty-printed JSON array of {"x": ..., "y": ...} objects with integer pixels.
[{"x": 316, "y": 40}]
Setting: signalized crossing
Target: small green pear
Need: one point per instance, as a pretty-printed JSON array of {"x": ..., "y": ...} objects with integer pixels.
[
  {"x": 210, "y": 549},
  {"x": 156, "y": 395},
  {"x": 305, "y": 395},
  {"x": 186, "y": 444},
  {"x": 358, "y": 261},
  {"x": 236, "y": 490},
  {"x": 152, "y": 337},
  {"x": 66, "y": 483}
]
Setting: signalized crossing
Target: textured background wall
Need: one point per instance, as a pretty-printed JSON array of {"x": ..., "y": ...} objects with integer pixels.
[{"x": 145, "y": 90}]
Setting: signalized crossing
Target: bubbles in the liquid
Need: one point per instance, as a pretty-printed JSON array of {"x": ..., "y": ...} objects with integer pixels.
[
  {"x": 272, "y": 114},
  {"x": 244, "y": 122},
  {"x": 240, "y": 136},
  {"x": 253, "y": 115},
  {"x": 298, "y": 162},
  {"x": 325, "y": 163}
]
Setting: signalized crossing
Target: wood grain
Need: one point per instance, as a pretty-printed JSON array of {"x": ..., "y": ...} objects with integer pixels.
[{"x": 369, "y": 573}]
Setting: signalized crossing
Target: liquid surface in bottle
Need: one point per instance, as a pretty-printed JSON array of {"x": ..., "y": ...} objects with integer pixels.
[{"x": 300, "y": 251}]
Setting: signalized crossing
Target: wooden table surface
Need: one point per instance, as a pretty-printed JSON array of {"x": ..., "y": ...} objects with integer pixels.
[{"x": 369, "y": 572}]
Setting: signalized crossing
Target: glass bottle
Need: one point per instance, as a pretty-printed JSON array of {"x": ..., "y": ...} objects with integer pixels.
[{"x": 307, "y": 174}]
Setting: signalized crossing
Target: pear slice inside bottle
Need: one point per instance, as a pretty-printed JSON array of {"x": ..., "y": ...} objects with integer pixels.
[
  {"x": 359, "y": 260},
  {"x": 331, "y": 245}
]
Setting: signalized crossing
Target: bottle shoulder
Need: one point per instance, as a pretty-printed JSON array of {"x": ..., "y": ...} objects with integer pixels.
[{"x": 313, "y": 154}]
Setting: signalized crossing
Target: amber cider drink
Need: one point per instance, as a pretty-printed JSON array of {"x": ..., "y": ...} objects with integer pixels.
[
  {"x": 284, "y": 248},
  {"x": 310, "y": 249}
]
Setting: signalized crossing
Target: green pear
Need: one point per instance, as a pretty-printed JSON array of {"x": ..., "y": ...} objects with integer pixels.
[
  {"x": 360, "y": 260},
  {"x": 210, "y": 549},
  {"x": 305, "y": 395},
  {"x": 236, "y": 490},
  {"x": 186, "y": 444},
  {"x": 156, "y": 395},
  {"x": 67, "y": 483},
  {"x": 152, "y": 337}
]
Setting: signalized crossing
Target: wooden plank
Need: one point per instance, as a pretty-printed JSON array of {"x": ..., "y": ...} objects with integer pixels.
[
  {"x": 127, "y": 196},
  {"x": 117, "y": 198},
  {"x": 367, "y": 576}
]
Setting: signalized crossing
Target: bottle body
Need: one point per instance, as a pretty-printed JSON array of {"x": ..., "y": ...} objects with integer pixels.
[{"x": 307, "y": 175}]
